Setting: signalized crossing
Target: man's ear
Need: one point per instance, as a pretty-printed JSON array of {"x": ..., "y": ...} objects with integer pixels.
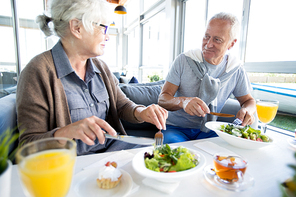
[
  {"x": 232, "y": 44},
  {"x": 75, "y": 27}
]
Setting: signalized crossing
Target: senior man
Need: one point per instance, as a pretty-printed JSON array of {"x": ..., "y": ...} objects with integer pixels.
[{"x": 201, "y": 81}]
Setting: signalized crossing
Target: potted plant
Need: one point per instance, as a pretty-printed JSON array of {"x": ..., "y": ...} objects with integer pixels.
[{"x": 6, "y": 139}]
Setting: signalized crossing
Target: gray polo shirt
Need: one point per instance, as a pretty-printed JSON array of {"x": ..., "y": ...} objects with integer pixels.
[
  {"x": 85, "y": 98},
  {"x": 182, "y": 75}
]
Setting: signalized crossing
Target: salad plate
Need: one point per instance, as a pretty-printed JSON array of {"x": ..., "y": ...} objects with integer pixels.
[
  {"x": 292, "y": 142},
  {"x": 85, "y": 184},
  {"x": 234, "y": 140},
  {"x": 212, "y": 178},
  {"x": 138, "y": 164}
]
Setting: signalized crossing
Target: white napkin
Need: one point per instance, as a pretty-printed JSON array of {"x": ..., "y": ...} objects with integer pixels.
[
  {"x": 121, "y": 158},
  {"x": 161, "y": 186},
  {"x": 134, "y": 189},
  {"x": 212, "y": 148}
]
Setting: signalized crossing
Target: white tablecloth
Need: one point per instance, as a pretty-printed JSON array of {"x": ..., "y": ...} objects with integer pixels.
[{"x": 268, "y": 166}]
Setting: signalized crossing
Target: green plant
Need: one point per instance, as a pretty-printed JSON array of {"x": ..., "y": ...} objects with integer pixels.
[
  {"x": 6, "y": 139},
  {"x": 290, "y": 184},
  {"x": 154, "y": 77}
]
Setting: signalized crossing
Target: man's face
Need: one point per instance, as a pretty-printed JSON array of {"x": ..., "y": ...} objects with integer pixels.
[{"x": 216, "y": 41}]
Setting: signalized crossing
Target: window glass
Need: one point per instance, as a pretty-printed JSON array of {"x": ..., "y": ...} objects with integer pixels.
[
  {"x": 154, "y": 45},
  {"x": 194, "y": 24},
  {"x": 133, "y": 9},
  {"x": 132, "y": 68},
  {"x": 269, "y": 33},
  {"x": 149, "y": 3},
  {"x": 8, "y": 70},
  {"x": 32, "y": 39},
  {"x": 110, "y": 53}
]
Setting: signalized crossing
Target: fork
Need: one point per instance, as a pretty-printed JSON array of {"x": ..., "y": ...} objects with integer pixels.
[
  {"x": 158, "y": 138},
  {"x": 237, "y": 123}
]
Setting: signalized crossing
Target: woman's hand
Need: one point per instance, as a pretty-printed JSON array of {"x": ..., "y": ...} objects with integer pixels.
[
  {"x": 86, "y": 130},
  {"x": 153, "y": 114}
]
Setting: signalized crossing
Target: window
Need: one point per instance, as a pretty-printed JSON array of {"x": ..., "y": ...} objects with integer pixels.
[
  {"x": 110, "y": 53},
  {"x": 147, "y": 42},
  {"x": 270, "y": 35},
  {"x": 195, "y": 17},
  {"x": 8, "y": 69},
  {"x": 133, "y": 53},
  {"x": 31, "y": 41},
  {"x": 194, "y": 24}
]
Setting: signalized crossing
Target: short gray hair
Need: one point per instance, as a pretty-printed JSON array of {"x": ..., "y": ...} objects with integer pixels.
[
  {"x": 235, "y": 24},
  {"x": 60, "y": 12}
]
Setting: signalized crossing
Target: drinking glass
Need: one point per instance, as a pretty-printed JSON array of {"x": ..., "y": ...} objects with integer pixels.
[
  {"x": 46, "y": 166},
  {"x": 266, "y": 110},
  {"x": 230, "y": 169}
]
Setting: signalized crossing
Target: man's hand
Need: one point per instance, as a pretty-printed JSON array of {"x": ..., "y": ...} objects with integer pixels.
[
  {"x": 153, "y": 114},
  {"x": 86, "y": 130},
  {"x": 244, "y": 115},
  {"x": 195, "y": 106}
]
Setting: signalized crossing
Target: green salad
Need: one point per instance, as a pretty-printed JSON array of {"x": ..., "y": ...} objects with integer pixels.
[
  {"x": 246, "y": 132},
  {"x": 165, "y": 159}
]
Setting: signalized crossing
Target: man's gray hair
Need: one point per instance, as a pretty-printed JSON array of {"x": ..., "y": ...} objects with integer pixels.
[
  {"x": 235, "y": 25},
  {"x": 60, "y": 12}
]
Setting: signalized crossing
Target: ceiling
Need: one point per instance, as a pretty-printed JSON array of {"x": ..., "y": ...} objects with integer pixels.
[{"x": 121, "y": 2}]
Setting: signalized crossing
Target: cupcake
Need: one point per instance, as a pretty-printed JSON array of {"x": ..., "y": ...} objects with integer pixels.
[{"x": 109, "y": 176}]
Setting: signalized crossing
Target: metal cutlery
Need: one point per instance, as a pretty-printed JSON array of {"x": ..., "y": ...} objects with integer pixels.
[
  {"x": 158, "y": 138},
  {"x": 222, "y": 114},
  {"x": 131, "y": 139}
]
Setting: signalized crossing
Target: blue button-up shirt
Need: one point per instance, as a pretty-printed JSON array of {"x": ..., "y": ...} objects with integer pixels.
[{"x": 85, "y": 98}]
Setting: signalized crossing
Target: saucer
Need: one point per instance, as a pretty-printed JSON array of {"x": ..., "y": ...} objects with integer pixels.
[{"x": 212, "y": 178}]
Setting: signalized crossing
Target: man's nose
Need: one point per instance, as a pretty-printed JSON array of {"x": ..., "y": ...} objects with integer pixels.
[{"x": 210, "y": 43}]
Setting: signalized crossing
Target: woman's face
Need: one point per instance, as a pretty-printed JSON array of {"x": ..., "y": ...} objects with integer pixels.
[{"x": 94, "y": 43}]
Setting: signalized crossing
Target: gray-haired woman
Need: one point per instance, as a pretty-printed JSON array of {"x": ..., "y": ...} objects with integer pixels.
[{"x": 67, "y": 92}]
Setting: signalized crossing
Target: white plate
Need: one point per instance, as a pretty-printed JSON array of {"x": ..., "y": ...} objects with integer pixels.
[
  {"x": 212, "y": 178},
  {"x": 85, "y": 185},
  {"x": 292, "y": 142},
  {"x": 140, "y": 168},
  {"x": 236, "y": 141}
]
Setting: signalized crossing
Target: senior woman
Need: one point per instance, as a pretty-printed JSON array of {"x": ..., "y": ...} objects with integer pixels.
[{"x": 67, "y": 92}]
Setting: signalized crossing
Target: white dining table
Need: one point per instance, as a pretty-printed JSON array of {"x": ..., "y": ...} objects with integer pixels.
[{"x": 268, "y": 166}]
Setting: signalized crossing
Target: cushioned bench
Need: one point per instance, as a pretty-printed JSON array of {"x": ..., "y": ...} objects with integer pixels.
[{"x": 140, "y": 93}]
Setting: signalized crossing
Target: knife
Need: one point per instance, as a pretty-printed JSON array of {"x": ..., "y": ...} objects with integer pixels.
[
  {"x": 131, "y": 139},
  {"x": 222, "y": 115}
]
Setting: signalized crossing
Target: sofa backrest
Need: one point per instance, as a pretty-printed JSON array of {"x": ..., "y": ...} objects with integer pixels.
[
  {"x": 8, "y": 118},
  {"x": 143, "y": 93}
]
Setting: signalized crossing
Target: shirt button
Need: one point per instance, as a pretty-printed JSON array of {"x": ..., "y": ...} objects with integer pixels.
[
  {"x": 85, "y": 90},
  {"x": 91, "y": 105}
]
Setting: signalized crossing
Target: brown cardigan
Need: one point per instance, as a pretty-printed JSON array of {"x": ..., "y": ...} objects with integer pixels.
[{"x": 41, "y": 101}]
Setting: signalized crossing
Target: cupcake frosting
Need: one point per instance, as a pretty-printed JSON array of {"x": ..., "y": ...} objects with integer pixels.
[{"x": 109, "y": 172}]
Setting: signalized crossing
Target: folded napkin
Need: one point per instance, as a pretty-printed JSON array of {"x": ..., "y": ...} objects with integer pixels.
[
  {"x": 121, "y": 158},
  {"x": 161, "y": 186},
  {"x": 212, "y": 148}
]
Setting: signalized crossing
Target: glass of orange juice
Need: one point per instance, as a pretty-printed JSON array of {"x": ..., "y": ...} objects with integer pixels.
[
  {"x": 266, "y": 110},
  {"x": 46, "y": 166}
]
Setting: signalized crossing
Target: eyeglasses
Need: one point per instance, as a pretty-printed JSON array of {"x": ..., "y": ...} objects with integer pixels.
[{"x": 105, "y": 30}]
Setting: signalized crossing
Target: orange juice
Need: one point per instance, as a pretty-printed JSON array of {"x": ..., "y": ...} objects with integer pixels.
[
  {"x": 226, "y": 167},
  {"x": 266, "y": 111},
  {"x": 48, "y": 173}
]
